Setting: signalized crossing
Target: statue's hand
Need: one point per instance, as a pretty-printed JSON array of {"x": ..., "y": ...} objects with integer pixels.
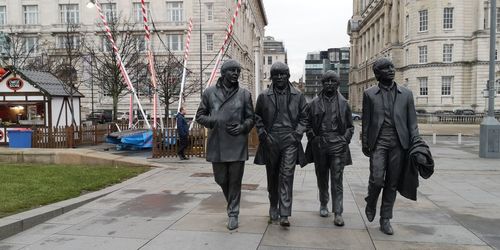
[
  {"x": 366, "y": 151},
  {"x": 234, "y": 129},
  {"x": 263, "y": 136}
]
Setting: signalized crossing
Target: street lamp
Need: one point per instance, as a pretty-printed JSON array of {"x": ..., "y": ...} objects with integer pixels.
[
  {"x": 201, "y": 55},
  {"x": 489, "y": 138},
  {"x": 91, "y": 4}
]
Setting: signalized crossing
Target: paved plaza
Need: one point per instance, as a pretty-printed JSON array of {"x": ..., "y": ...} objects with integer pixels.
[{"x": 179, "y": 206}]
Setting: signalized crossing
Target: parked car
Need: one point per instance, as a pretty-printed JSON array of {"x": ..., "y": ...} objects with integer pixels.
[
  {"x": 465, "y": 112},
  {"x": 122, "y": 116},
  {"x": 444, "y": 112},
  {"x": 421, "y": 111},
  {"x": 356, "y": 117},
  {"x": 101, "y": 116}
]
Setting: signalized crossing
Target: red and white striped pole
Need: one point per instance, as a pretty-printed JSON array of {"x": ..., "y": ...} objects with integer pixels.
[
  {"x": 186, "y": 54},
  {"x": 152, "y": 70},
  {"x": 221, "y": 51},
  {"x": 122, "y": 68}
]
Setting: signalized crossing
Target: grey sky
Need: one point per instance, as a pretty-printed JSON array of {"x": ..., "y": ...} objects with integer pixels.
[{"x": 307, "y": 26}]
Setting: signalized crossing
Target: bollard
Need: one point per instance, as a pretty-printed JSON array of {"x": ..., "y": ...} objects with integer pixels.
[
  {"x": 433, "y": 138},
  {"x": 459, "y": 138}
]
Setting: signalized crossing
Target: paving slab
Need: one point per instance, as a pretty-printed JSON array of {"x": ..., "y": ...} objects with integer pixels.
[
  {"x": 427, "y": 246},
  {"x": 132, "y": 228},
  {"x": 430, "y": 233},
  {"x": 187, "y": 240},
  {"x": 323, "y": 238},
  {"x": 74, "y": 242},
  {"x": 218, "y": 222}
]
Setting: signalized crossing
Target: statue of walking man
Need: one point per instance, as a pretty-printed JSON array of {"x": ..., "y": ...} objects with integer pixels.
[
  {"x": 329, "y": 133},
  {"x": 388, "y": 130},
  {"x": 281, "y": 120},
  {"x": 227, "y": 110}
]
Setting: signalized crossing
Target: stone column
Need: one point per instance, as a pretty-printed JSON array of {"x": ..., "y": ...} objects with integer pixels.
[
  {"x": 387, "y": 35},
  {"x": 257, "y": 56},
  {"x": 394, "y": 22}
]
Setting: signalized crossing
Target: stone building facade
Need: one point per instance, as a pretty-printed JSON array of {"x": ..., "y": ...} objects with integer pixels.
[
  {"x": 440, "y": 50},
  {"x": 39, "y": 20},
  {"x": 274, "y": 51}
]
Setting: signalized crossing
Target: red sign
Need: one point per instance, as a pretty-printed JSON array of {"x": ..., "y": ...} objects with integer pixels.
[{"x": 15, "y": 84}]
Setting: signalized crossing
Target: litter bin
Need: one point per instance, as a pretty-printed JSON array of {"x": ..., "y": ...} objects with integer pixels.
[{"x": 19, "y": 137}]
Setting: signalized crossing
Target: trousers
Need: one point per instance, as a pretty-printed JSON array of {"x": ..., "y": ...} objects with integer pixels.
[
  {"x": 280, "y": 171},
  {"x": 386, "y": 162},
  {"x": 330, "y": 166},
  {"x": 228, "y": 176}
]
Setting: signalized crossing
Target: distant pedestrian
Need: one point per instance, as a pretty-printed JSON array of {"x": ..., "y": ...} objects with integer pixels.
[{"x": 183, "y": 131}]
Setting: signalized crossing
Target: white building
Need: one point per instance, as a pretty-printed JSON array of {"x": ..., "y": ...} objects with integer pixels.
[
  {"x": 440, "y": 50},
  {"x": 45, "y": 20},
  {"x": 274, "y": 51}
]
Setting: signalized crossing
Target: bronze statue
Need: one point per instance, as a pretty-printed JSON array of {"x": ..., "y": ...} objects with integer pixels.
[
  {"x": 389, "y": 129},
  {"x": 227, "y": 110},
  {"x": 329, "y": 133},
  {"x": 281, "y": 120}
]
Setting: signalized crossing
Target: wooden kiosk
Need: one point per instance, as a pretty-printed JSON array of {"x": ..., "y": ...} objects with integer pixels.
[{"x": 30, "y": 99}]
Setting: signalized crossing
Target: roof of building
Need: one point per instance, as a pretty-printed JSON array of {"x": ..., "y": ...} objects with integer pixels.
[{"x": 47, "y": 83}]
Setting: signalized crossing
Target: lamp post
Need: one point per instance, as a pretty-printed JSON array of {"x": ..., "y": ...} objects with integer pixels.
[
  {"x": 201, "y": 54},
  {"x": 489, "y": 139}
]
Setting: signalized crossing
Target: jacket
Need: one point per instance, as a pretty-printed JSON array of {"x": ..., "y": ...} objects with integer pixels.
[
  {"x": 182, "y": 126},
  {"x": 404, "y": 116},
  {"x": 419, "y": 162},
  {"x": 215, "y": 112},
  {"x": 316, "y": 114},
  {"x": 265, "y": 116}
]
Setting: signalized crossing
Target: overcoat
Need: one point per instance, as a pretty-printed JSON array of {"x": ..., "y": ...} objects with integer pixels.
[
  {"x": 265, "y": 116},
  {"x": 315, "y": 118},
  {"x": 216, "y": 112}
]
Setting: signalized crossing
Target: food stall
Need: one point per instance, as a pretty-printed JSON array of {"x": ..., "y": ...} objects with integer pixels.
[{"x": 30, "y": 99}]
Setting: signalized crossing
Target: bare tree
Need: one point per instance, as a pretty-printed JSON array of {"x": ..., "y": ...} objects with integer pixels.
[
  {"x": 169, "y": 76},
  {"x": 106, "y": 72},
  {"x": 22, "y": 48}
]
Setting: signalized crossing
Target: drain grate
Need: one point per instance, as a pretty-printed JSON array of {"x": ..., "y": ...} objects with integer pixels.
[
  {"x": 249, "y": 186},
  {"x": 202, "y": 175}
]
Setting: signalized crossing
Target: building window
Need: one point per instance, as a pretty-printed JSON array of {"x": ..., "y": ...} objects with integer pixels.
[
  {"x": 497, "y": 87},
  {"x": 106, "y": 45},
  {"x": 424, "y": 91},
  {"x": 447, "y": 81},
  {"x": 210, "y": 11},
  {"x": 448, "y": 18},
  {"x": 407, "y": 31},
  {"x": 140, "y": 43},
  {"x": 210, "y": 41},
  {"x": 422, "y": 54},
  {"x": 3, "y": 15},
  {"x": 69, "y": 13},
  {"x": 109, "y": 10},
  {"x": 175, "y": 42},
  {"x": 138, "y": 12},
  {"x": 498, "y": 19},
  {"x": 174, "y": 11},
  {"x": 424, "y": 21},
  {"x": 68, "y": 41},
  {"x": 447, "y": 52},
  {"x": 269, "y": 60},
  {"x": 30, "y": 13},
  {"x": 30, "y": 45}
]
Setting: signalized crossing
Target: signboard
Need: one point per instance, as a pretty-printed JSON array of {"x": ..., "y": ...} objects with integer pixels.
[
  {"x": 15, "y": 84},
  {"x": 1, "y": 135}
]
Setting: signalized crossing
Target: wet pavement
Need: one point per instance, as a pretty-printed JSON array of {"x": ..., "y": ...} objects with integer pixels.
[{"x": 181, "y": 207}]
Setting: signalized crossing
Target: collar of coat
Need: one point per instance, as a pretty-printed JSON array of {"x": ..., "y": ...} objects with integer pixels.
[
  {"x": 293, "y": 91},
  {"x": 378, "y": 89},
  {"x": 220, "y": 83}
]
